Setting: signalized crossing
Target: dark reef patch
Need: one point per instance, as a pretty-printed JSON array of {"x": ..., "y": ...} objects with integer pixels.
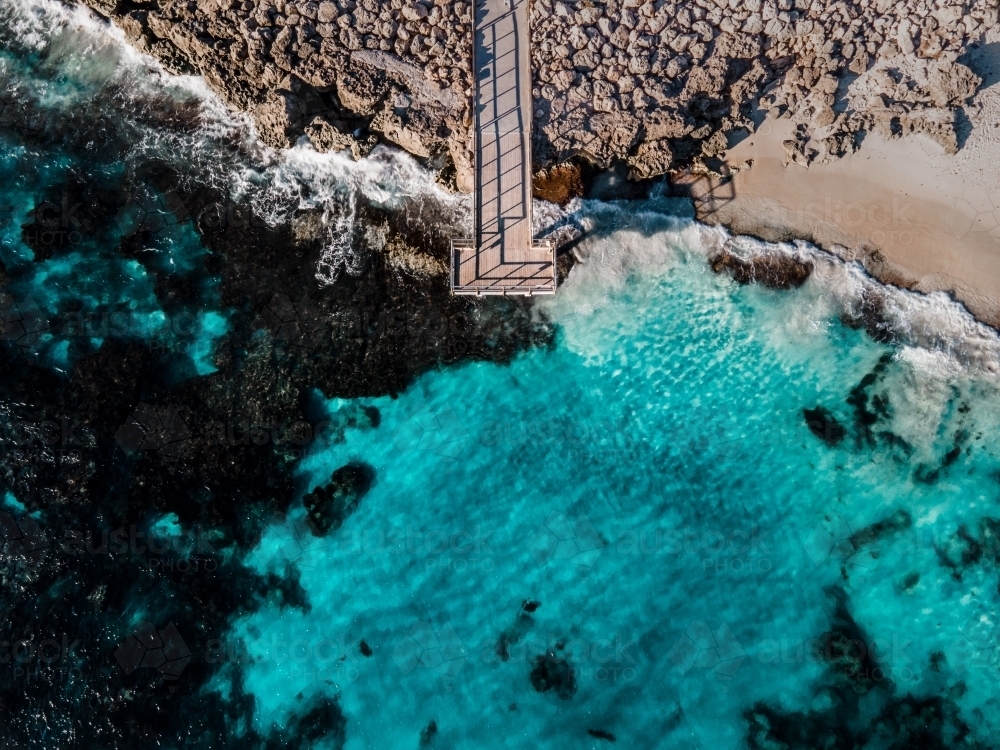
[
  {"x": 428, "y": 733},
  {"x": 930, "y": 474},
  {"x": 898, "y": 521},
  {"x": 551, "y": 672},
  {"x": 858, "y": 399},
  {"x": 868, "y": 312},
  {"x": 324, "y": 720},
  {"x": 128, "y": 432},
  {"x": 847, "y": 653},
  {"x": 869, "y": 539},
  {"x": 600, "y": 734},
  {"x": 966, "y": 549},
  {"x": 861, "y": 714},
  {"x": 824, "y": 425},
  {"x": 330, "y": 505},
  {"x": 773, "y": 270},
  {"x": 513, "y": 634}
]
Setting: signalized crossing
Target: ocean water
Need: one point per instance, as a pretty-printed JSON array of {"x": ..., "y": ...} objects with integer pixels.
[
  {"x": 632, "y": 535},
  {"x": 652, "y": 484}
]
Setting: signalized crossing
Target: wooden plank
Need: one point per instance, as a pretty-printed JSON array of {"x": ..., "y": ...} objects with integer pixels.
[{"x": 503, "y": 256}]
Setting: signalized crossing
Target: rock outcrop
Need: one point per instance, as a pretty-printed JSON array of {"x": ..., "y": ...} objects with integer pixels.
[{"x": 656, "y": 84}]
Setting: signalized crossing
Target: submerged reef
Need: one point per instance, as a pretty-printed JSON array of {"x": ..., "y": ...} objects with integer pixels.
[
  {"x": 150, "y": 418},
  {"x": 330, "y": 505},
  {"x": 865, "y": 709}
]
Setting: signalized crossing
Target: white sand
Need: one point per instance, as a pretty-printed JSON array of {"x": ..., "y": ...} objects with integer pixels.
[{"x": 911, "y": 213}]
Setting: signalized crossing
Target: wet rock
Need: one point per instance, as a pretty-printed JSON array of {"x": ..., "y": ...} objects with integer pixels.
[
  {"x": 559, "y": 184},
  {"x": 330, "y": 505},
  {"x": 773, "y": 270},
  {"x": 868, "y": 312},
  {"x": 898, "y": 521},
  {"x": 361, "y": 90},
  {"x": 331, "y": 136},
  {"x": 323, "y": 722},
  {"x": 415, "y": 12},
  {"x": 279, "y": 119},
  {"x": 551, "y": 672}
]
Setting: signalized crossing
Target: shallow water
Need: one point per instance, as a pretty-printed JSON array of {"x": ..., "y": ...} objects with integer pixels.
[
  {"x": 652, "y": 483},
  {"x": 643, "y": 501}
]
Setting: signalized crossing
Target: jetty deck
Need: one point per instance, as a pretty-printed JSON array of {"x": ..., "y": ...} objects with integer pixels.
[{"x": 502, "y": 257}]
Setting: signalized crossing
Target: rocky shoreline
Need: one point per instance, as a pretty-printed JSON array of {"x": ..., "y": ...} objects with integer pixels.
[
  {"x": 658, "y": 85},
  {"x": 143, "y": 436}
]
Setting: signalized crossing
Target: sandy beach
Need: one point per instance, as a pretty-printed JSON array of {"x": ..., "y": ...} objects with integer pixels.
[{"x": 913, "y": 214}]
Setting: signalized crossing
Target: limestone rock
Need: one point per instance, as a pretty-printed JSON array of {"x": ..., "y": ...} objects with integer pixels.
[
  {"x": 559, "y": 184},
  {"x": 773, "y": 270},
  {"x": 619, "y": 81},
  {"x": 360, "y": 90},
  {"x": 651, "y": 159},
  {"x": 326, "y": 135},
  {"x": 277, "y": 118}
]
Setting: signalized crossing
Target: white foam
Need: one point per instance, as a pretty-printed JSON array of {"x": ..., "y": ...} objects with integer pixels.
[
  {"x": 624, "y": 238},
  {"x": 633, "y": 238}
]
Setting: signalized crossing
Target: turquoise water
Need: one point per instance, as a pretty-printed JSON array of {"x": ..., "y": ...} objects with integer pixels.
[
  {"x": 57, "y": 241},
  {"x": 644, "y": 501},
  {"x": 652, "y": 483}
]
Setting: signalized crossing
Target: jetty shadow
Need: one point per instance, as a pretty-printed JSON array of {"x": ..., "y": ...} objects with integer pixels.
[{"x": 708, "y": 192}]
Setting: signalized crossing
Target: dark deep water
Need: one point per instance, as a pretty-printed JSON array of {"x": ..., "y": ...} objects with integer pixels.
[{"x": 267, "y": 485}]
